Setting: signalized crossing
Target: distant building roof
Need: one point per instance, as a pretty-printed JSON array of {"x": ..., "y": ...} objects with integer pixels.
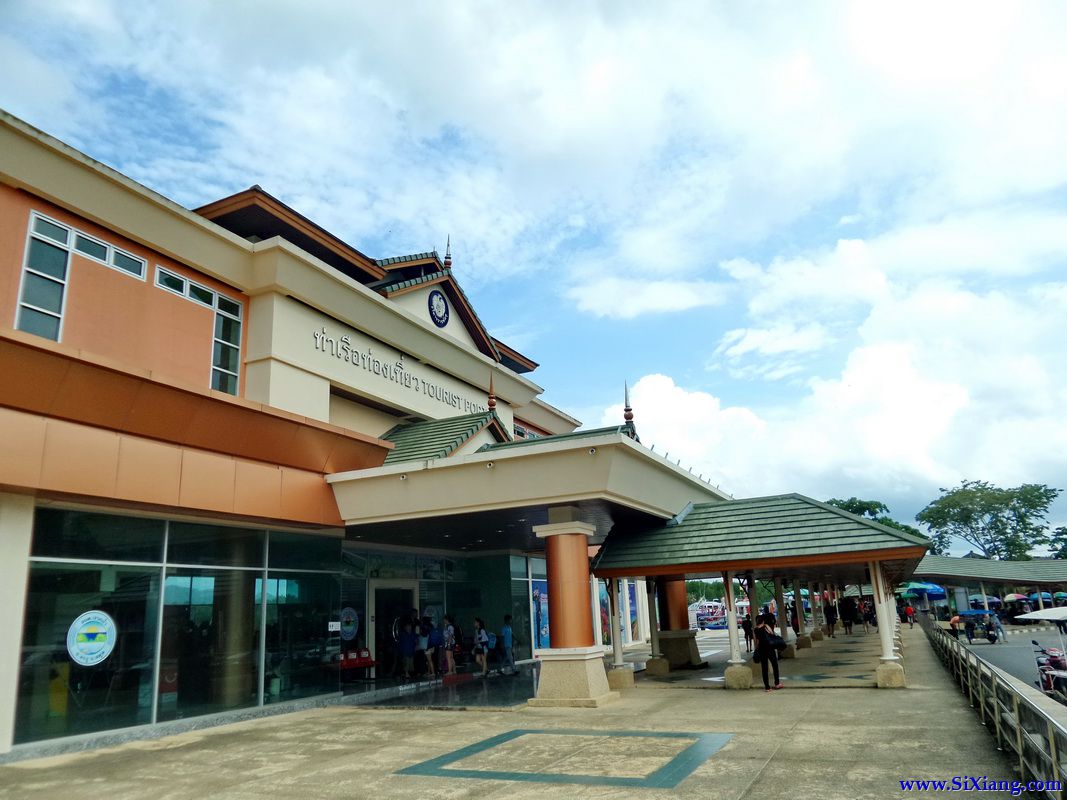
[
  {"x": 438, "y": 438},
  {"x": 946, "y": 569}
]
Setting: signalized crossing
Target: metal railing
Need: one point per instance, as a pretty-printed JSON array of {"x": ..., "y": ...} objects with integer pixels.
[{"x": 1036, "y": 741}]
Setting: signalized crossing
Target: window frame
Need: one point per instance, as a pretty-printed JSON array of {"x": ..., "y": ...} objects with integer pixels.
[
  {"x": 215, "y": 340},
  {"x": 31, "y": 235}
]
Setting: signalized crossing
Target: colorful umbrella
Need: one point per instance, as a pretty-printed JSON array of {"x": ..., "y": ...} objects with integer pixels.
[
  {"x": 1044, "y": 596},
  {"x": 1014, "y": 597},
  {"x": 977, "y": 598},
  {"x": 1059, "y": 595},
  {"x": 931, "y": 590}
]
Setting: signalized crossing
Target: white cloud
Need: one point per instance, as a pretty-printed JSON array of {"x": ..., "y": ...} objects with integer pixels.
[{"x": 621, "y": 298}]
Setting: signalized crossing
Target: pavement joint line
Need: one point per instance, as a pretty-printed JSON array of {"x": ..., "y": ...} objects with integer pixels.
[{"x": 778, "y": 746}]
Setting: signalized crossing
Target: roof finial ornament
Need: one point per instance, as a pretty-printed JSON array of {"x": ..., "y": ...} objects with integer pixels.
[
  {"x": 627, "y": 412},
  {"x": 448, "y": 252},
  {"x": 492, "y": 397}
]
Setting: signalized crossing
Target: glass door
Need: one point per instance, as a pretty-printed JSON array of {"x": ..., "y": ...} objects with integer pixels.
[{"x": 392, "y": 605}]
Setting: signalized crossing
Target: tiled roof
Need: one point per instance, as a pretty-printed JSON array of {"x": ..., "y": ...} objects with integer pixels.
[
  {"x": 386, "y": 262},
  {"x": 627, "y": 429},
  {"x": 435, "y": 438},
  {"x": 972, "y": 570},
  {"x": 394, "y": 283},
  {"x": 762, "y": 528}
]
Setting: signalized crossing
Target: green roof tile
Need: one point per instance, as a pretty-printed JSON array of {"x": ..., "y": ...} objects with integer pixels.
[
  {"x": 626, "y": 429},
  {"x": 944, "y": 568},
  {"x": 385, "y": 262},
  {"x": 435, "y": 438},
  {"x": 763, "y": 528}
]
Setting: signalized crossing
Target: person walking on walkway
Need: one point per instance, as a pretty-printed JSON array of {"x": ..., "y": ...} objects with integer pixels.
[
  {"x": 481, "y": 646},
  {"x": 746, "y": 628},
  {"x": 766, "y": 651},
  {"x": 968, "y": 628},
  {"x": 829, "y": 612},
  {"x": 909, "y": 615}
]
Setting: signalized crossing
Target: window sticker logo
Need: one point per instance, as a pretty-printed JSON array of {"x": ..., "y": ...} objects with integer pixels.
[
  {"x": 349, "y": 623},
  {"x": 438, "y": 308},
  {"x": 91, "y": 638}
]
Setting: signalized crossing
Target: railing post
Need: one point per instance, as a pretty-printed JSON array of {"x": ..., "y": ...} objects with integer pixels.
[
  {"x": 996, "y": 712},
  {"x": 1018, "y": 735},
  {"x": 981, "y": 694},
  {"x": 1052, "y": 752}
]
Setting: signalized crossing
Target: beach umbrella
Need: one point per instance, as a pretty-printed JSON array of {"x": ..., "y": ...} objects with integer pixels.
[
  {"x": 1060, "y": 595},
  {"x": 1014, "y": 597},
  {"x": 931, "y": 590},
  {"x": 977, "y": 598},
  {"x": 1044, "y": 596}
]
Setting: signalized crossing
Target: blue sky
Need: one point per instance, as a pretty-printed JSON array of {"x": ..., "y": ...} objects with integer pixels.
[{"x": 824, "y": 243}]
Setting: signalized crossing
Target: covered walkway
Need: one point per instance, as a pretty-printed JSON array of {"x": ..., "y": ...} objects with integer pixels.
[{"x": 795, "y": 542}]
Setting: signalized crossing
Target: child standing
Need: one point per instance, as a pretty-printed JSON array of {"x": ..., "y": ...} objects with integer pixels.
[{"x": 409, "y": 641}]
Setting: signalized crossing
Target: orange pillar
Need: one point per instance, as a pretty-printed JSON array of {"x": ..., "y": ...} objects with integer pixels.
[
  {"x": 673, "y": 604},
  {"x": 570, "y": 604}
]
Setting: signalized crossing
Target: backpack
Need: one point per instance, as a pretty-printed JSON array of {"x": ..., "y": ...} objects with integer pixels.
[{"x": 492, "y": 641}]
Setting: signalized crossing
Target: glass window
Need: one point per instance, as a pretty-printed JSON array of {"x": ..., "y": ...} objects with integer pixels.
[
  {"x": 228, "y": 306},
  {"x": 520, "y": 619},
  {"x": 43, "y": 293},
  {"x": 223, "y": 381},
  {"x": 518, "y": 568},
  {"x": 202, "y": 295},
  {"x": 353, "y": 615},
  {"x": 90, "y": 247},
  {"x": 226, "y": 358},
  {"x": 47, "y": 259},
  {"x": 538, "y": 568},
  {"x": 134, "y": 266},
  {"x": 51, "y": 230},
  {"x": 168, "y": 280},
  {"x": 38, "y": 324},
  {"x": 209, "y": 659},
  {"x": 88, "y": 644},
  {"x": 301, "y": 551},
  {"x": 97, "y": 537},
  {"x": 303, "y": 654},
  {"x": 214, "y": 545},
  {"x": 227, "y": 330}
]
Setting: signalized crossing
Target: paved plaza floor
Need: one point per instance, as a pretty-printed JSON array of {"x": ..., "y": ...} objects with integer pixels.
[{"x": 685, "y": 738}]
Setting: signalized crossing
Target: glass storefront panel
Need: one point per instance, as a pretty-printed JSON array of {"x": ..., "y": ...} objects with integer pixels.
[
  {"x": 87, "y": 659},
  {"x": 303, "y": 654},
  {"x": 518, "y": 568},
  {"x": 214, "y": 545},
  {"x": 303, "y": 551},
  {"x": 96, "y": 537},
  {"x": 520, "y": 622},
  {"x": 209, "y": 660},
  {"x": 391, "y": 565},
  {"x": 539, "y": 568}
]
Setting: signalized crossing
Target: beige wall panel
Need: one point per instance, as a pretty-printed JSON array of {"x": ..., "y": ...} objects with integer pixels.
[
  {"x": 347, "y": 414},
  {"x": 417, "y": 302},
  {"x": 280, "y": 385},
  {"x": 16, "y": 533},
  {"x": 483, "y": 437}
]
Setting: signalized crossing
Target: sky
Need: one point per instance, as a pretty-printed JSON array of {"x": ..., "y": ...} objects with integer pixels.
[{"x": 824, "y": 244}]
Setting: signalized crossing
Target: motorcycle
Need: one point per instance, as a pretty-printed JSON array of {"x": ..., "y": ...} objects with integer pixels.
[{"x": 1051, "y": 668}]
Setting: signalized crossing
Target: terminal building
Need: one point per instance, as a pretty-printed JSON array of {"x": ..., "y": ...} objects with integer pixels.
[{"x": 236, "y": 450}]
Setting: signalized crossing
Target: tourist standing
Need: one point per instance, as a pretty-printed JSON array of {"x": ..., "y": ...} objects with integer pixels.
[
  {"x": 746, "y": 628},
  {"x": 507, "y": 639},
  {"x": 481, "y": 646},
  {"x": 766, "y": 651},
  {"x": 450, "y": 646},
  {"x": 429, "y": 645},
  {"x": 829, "y": 612}
]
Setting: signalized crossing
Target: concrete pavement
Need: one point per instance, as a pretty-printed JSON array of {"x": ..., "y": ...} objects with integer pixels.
[{"x": 850, "y": 743}]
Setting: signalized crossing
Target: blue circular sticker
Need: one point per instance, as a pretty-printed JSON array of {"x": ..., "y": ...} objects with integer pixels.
[
  {"x": 349, "y": 623},
  {"x": 91, "y": 638},
  {"x": 438, "y": 308}
]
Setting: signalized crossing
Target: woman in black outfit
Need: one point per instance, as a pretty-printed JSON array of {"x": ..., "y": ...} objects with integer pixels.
[{"x": 768, "y": 653}]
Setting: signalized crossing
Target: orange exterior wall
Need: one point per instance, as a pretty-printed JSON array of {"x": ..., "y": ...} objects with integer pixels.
[
  {"x": 112, "y": 314},
  {"x": 53, "y": 457}
]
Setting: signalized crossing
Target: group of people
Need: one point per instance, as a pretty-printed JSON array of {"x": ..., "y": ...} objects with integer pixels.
[
  {"x": 991, "y": 621},
  {"x": 438, "y": 645}
]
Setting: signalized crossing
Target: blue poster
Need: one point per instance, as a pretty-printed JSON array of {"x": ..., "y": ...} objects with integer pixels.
[
  {"x": 633, "y": 612},
  {"x": 539, "y": 612}
]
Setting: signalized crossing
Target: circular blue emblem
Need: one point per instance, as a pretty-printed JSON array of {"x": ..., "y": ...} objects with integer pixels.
[
  {"x": 349, "y": 623},
  {"x": 91, "y": 638},
  {"x": 438, "y": 308}
]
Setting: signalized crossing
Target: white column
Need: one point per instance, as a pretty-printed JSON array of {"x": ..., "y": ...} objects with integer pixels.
[
  {"x": 1040, "y": 599},
  {"x": 642, "y": 609},
  {"x": 985, "y": 600},
  {"x": 16, "y": 533},
  {"x": 616, "y": 638},
  {"x": 731, "y": 620},
  {"x": 594, "y": 595},
  {"x": 886, "y": 626},
  {"x": 784, "y": 626},
  {"x": 653, "y": 623}
]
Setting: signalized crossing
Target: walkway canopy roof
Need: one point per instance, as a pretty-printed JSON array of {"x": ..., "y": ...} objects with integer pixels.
[
  {"x": 971, "y": 571},
  {"x": 787, "y": 536}
]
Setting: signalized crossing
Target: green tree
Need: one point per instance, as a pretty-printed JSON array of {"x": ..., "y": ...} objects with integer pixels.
[
  {"x": 876, "y": 510},
  {"x": 1003, "y": 523},
  {"x": 1057, "y": 542}
]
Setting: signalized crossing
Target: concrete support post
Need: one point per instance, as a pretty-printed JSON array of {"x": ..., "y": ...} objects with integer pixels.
[
  {"x": 803, "y": 638},
  {"x": 815, "y": 599},
  {"x": 16, "y": 533},
  {"x": 613, "y": 604},
  {"x": 653, "y": 621},
  {"x": 572, "y": 669},
  {"x": 985, "y": 599},
  {"x": 624, "y": 609},
  {"x": 737, "y": 675},
  {"x": 1040, "y": 598},
  {"x": 641, "y": 593},
  {"x": 677, "y": 642},
  {"x": 753, "y": 601},
  {"x": 890, "y": 672},
  {"x": 784, "y": 628}
]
